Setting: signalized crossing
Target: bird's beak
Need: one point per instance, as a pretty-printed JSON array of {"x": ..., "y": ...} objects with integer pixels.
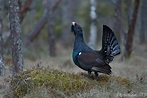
[
  {"x": 73, "y": 23},
  {"x": 72, "y": 26}
]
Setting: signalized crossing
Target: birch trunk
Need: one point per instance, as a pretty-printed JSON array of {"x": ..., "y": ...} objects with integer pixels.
[
  {"x": 16, "y": 39},
  {"x": 93, "y": 28}
]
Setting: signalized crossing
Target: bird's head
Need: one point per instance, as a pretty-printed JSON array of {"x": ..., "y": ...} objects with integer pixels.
[{"x": 76, "y": 28}]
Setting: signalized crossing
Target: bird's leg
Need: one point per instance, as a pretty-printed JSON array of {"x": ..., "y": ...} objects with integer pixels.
[
  {"x": 89, "y": 73},
  {"x": 96, "y": 75}
]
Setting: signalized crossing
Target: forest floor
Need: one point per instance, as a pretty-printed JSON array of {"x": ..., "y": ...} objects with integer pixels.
[{"x": 134, "y": 70}]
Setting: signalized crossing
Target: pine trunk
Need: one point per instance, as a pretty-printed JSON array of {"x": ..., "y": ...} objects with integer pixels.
[
  {"x": 143, "y": 22},
  {"x": 128, "y": 46},
  {"x": 16, "y": 39},
  {"x": 52, "y": 41},
  {"x": 22, "y": 12},
  {"x": 24, "y": 9},
  {"x": 129, "y": 11},
  {"x": 93, "y": 28},
  {"x": 1, "y": 49},
  {"x": 67, "y": 16},
  {"x": 51, "y": 34}
]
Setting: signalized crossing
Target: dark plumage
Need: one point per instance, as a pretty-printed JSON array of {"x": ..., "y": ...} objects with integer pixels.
[{"x": 93, "y": 60}]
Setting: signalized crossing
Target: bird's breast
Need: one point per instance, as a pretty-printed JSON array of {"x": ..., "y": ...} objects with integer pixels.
[{"x": 74, "y": 54}]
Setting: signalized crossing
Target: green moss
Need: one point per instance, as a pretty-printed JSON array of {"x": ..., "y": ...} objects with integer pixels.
[{"x": 64, "y": 82}]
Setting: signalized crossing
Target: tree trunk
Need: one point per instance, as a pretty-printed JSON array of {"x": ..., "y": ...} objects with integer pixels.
[
  {"x": 16, "y": 39},
  {"x": 129, "y": 11},
  {"x": 128, "y": 46},
  {"x": 51, "y": 34},
  {"x": 40, "y": 24},
  {"x": 93, "y": 28},
  {"x": 118, "y": 20},
  {"x": 52, "y": 41},
  {"x": 143, "y": 22},
  {"x": 24, "y": 9},
  {"x": 1, "y": 49},
  {"x": 36, "y": 29},
  {"x": 22, "y": 12},
  {"x": 67, "y": 16}
]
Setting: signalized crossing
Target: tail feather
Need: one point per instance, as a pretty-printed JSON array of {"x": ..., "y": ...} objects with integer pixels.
[
  {"x": 114, "y": 43},
  {"x": 110, "y": 46},
  {"x": 116, "y": 48}
]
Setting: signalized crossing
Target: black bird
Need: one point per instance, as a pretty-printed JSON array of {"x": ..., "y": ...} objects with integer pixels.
[{"x": 92, "y": 60}]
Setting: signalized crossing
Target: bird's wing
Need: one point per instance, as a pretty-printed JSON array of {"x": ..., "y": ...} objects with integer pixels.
[
  {"x": 110, "y": 46},
  {"x": 92, "y": 59}
]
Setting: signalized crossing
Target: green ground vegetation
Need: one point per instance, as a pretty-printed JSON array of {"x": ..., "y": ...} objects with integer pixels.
[{"x": 67, "y": 83}]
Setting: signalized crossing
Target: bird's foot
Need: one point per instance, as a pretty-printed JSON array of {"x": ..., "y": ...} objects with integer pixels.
[
  {"x": 96, "y": 75},
  {"x": 89, "y": 73}
]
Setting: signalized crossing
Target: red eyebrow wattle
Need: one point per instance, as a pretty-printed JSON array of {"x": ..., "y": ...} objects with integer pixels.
[{"x": 77, "y": 26}]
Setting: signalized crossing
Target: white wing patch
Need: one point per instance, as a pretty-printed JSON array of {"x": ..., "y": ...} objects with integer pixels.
[{"x": 80, "y": 53}]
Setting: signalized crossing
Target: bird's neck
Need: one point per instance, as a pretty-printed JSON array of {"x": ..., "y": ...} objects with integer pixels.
[
  {"x": 79, "y": 38},
  {"x": 79, "y": 43}
]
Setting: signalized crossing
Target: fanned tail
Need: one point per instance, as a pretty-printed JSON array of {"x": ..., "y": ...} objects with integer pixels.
[{"x": 110, "y": 46}]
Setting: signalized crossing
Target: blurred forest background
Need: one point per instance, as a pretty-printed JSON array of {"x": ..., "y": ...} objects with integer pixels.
[{"x": 48, "y": 40}]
